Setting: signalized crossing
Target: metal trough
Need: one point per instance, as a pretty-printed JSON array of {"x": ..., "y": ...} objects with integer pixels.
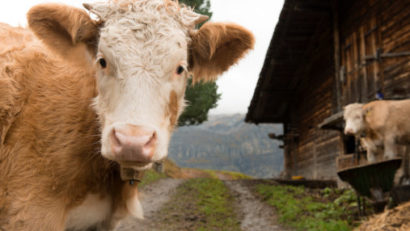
[{"x": 372, "y": 179}]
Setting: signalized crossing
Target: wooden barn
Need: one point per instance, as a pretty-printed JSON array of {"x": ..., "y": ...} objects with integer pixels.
[{"x": 326, "y": 54}]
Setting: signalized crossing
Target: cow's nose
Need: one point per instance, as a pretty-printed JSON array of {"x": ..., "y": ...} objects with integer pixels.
[
  {"x": 133, "y": 143},
  {"x": 348, "y": 131}
]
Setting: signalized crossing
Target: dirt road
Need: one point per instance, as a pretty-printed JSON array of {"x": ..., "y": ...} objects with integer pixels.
[
  {"x": 256, "y": 216},
  {"x": 251, "y": 213},
  {"x": 153, "y": 197}
]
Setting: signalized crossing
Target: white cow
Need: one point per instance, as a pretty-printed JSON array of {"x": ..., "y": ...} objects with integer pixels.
[{"x": 383, "y": 124}]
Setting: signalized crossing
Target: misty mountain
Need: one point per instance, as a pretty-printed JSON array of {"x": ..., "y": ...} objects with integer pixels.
[{"x": 226, "y": 142}]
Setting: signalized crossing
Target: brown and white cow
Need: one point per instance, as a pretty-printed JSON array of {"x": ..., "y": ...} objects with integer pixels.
[
  {"x": 79, "y": 98},
  {"x": 383, "y": 124}
]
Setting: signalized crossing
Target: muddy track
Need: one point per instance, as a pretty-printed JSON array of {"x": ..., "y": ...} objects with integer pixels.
[
  {"x": 255, "y": 215},
  {"x": 153, "y": 197}
]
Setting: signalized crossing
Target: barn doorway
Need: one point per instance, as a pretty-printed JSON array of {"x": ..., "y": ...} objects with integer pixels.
[{"x": 349, "y": 144}]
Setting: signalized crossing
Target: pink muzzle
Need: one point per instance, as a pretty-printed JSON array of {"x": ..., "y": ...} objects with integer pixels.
[{"x": 133, "y": 143}]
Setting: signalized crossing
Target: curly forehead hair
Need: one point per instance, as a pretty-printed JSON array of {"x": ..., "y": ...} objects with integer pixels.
[
  {"x": 113, "y": 8},
  {"x": 353, "y": 109},
  {"x": 167, "y": 3}
]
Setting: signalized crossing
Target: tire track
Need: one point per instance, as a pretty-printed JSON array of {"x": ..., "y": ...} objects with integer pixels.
[{"x": 256, "y": 215}]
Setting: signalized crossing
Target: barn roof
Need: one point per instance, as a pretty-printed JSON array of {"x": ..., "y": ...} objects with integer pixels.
[{"x": 299, "y": 22}]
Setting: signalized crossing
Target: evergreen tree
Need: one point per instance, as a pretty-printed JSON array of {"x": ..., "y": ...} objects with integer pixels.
[{"x": 201, "y": 97}]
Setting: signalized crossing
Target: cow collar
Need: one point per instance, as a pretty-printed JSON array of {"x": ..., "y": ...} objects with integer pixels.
[
  {"x": 131, "y": 175},
  {"x": 365, "y": 133}
]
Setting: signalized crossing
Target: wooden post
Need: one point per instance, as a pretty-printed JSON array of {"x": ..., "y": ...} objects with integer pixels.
[
  {"x": 356, "y": 69},
  {"x": 379, "y": 50},
  {"x": 375, "y": 65},
  {"x": 365, "y": 91},
  {"x": 336, "y": 42}
]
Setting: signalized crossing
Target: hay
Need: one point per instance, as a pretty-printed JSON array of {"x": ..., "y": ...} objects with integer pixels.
[{"x": 396, "y": 219}]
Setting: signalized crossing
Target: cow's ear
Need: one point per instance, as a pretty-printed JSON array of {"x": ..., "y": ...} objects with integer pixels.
[
  {"x": 64, "y": 29},
  {"x": 217, "y": 46},
  {"x": 367, "y": 111}
]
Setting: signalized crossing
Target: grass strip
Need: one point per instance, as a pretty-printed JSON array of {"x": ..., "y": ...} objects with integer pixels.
[
  {"x": 200, "y": 204},
  {"x": 215, "y": 202},
  {"x": 150, "y": 176},
  {"x": 327, "y": 211}
]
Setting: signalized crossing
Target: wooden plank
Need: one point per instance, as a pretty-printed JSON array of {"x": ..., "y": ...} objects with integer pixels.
[
  {"x": 336, "y": 44},
  {"x": 362, "y": 65},
  {"x": 379, "y": 45},
  {"x": 371, "y": 80},
  {"x": 348, "y": 161},
  {"x": 349, "y": 68},
  {"x": 376, "y": 67},
  {"x": 355, "y": 76}
]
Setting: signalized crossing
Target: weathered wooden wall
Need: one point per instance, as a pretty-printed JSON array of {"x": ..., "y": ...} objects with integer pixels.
[
  {"x": 369, "y": 28},
  {"x": 313, "y": 151},
  {"x": 365, "y": 28}
]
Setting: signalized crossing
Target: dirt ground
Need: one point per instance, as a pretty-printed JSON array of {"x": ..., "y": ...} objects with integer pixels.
[
  {"x": 253, "y": 215},
  {"x": 153, "y": 197},
  {"x": 256, "y": 216}
]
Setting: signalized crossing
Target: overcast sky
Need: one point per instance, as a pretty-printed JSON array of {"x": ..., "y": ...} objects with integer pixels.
[
  {"x": 236, "y": 85},
  {"x": 259, "y": 16}
]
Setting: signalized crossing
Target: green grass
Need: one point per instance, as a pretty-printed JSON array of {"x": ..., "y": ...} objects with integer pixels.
[
  {"x": 214, "y": 202},
  {"x": 150, "y": 176},
  {"x": 303, "y": 211},
  {"x": 200, "y": 204},
  {"x": 212, "y": 173},
  {"x": 234, "y": 175}
]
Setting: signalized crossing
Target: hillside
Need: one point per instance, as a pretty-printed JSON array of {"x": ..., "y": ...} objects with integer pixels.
[{"x": 228, "y": 143}]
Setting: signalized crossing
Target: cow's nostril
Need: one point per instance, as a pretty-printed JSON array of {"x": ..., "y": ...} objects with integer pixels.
[
  {"x": 115, "y": 142},
  {"x": 114, "y": 138},
  {"x": 152, "y": 140}
]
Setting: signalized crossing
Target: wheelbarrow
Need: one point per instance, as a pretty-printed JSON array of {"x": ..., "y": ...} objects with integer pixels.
[{"x": 372, "y": 180}]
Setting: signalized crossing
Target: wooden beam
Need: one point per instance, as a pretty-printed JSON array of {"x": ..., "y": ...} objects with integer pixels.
[
  {"x": 363, "y": 67},
  {"x": 336, "y": 42},
  {"x": 380, "y": 64},
  {"x": 355, "y": 74},
  {"x": 334, "y": 121}
]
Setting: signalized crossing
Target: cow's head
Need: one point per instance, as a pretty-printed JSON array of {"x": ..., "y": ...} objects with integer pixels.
[
  {"x": 354, "y": 116},
  {"x": 143, "y": 52}
]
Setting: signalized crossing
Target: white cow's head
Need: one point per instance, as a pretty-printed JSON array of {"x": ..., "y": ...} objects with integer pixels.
[
  {"x": 354, "y": 117},
  {"x": 143, "y": 51}
]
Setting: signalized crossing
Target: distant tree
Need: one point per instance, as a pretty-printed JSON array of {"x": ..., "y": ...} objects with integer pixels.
[{"x": 201, "y": 97}]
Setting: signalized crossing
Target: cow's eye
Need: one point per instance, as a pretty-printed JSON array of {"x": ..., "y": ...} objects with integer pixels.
[
  {"x": 102, "y": 62},
  {"x": 180, "y": 70}
]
